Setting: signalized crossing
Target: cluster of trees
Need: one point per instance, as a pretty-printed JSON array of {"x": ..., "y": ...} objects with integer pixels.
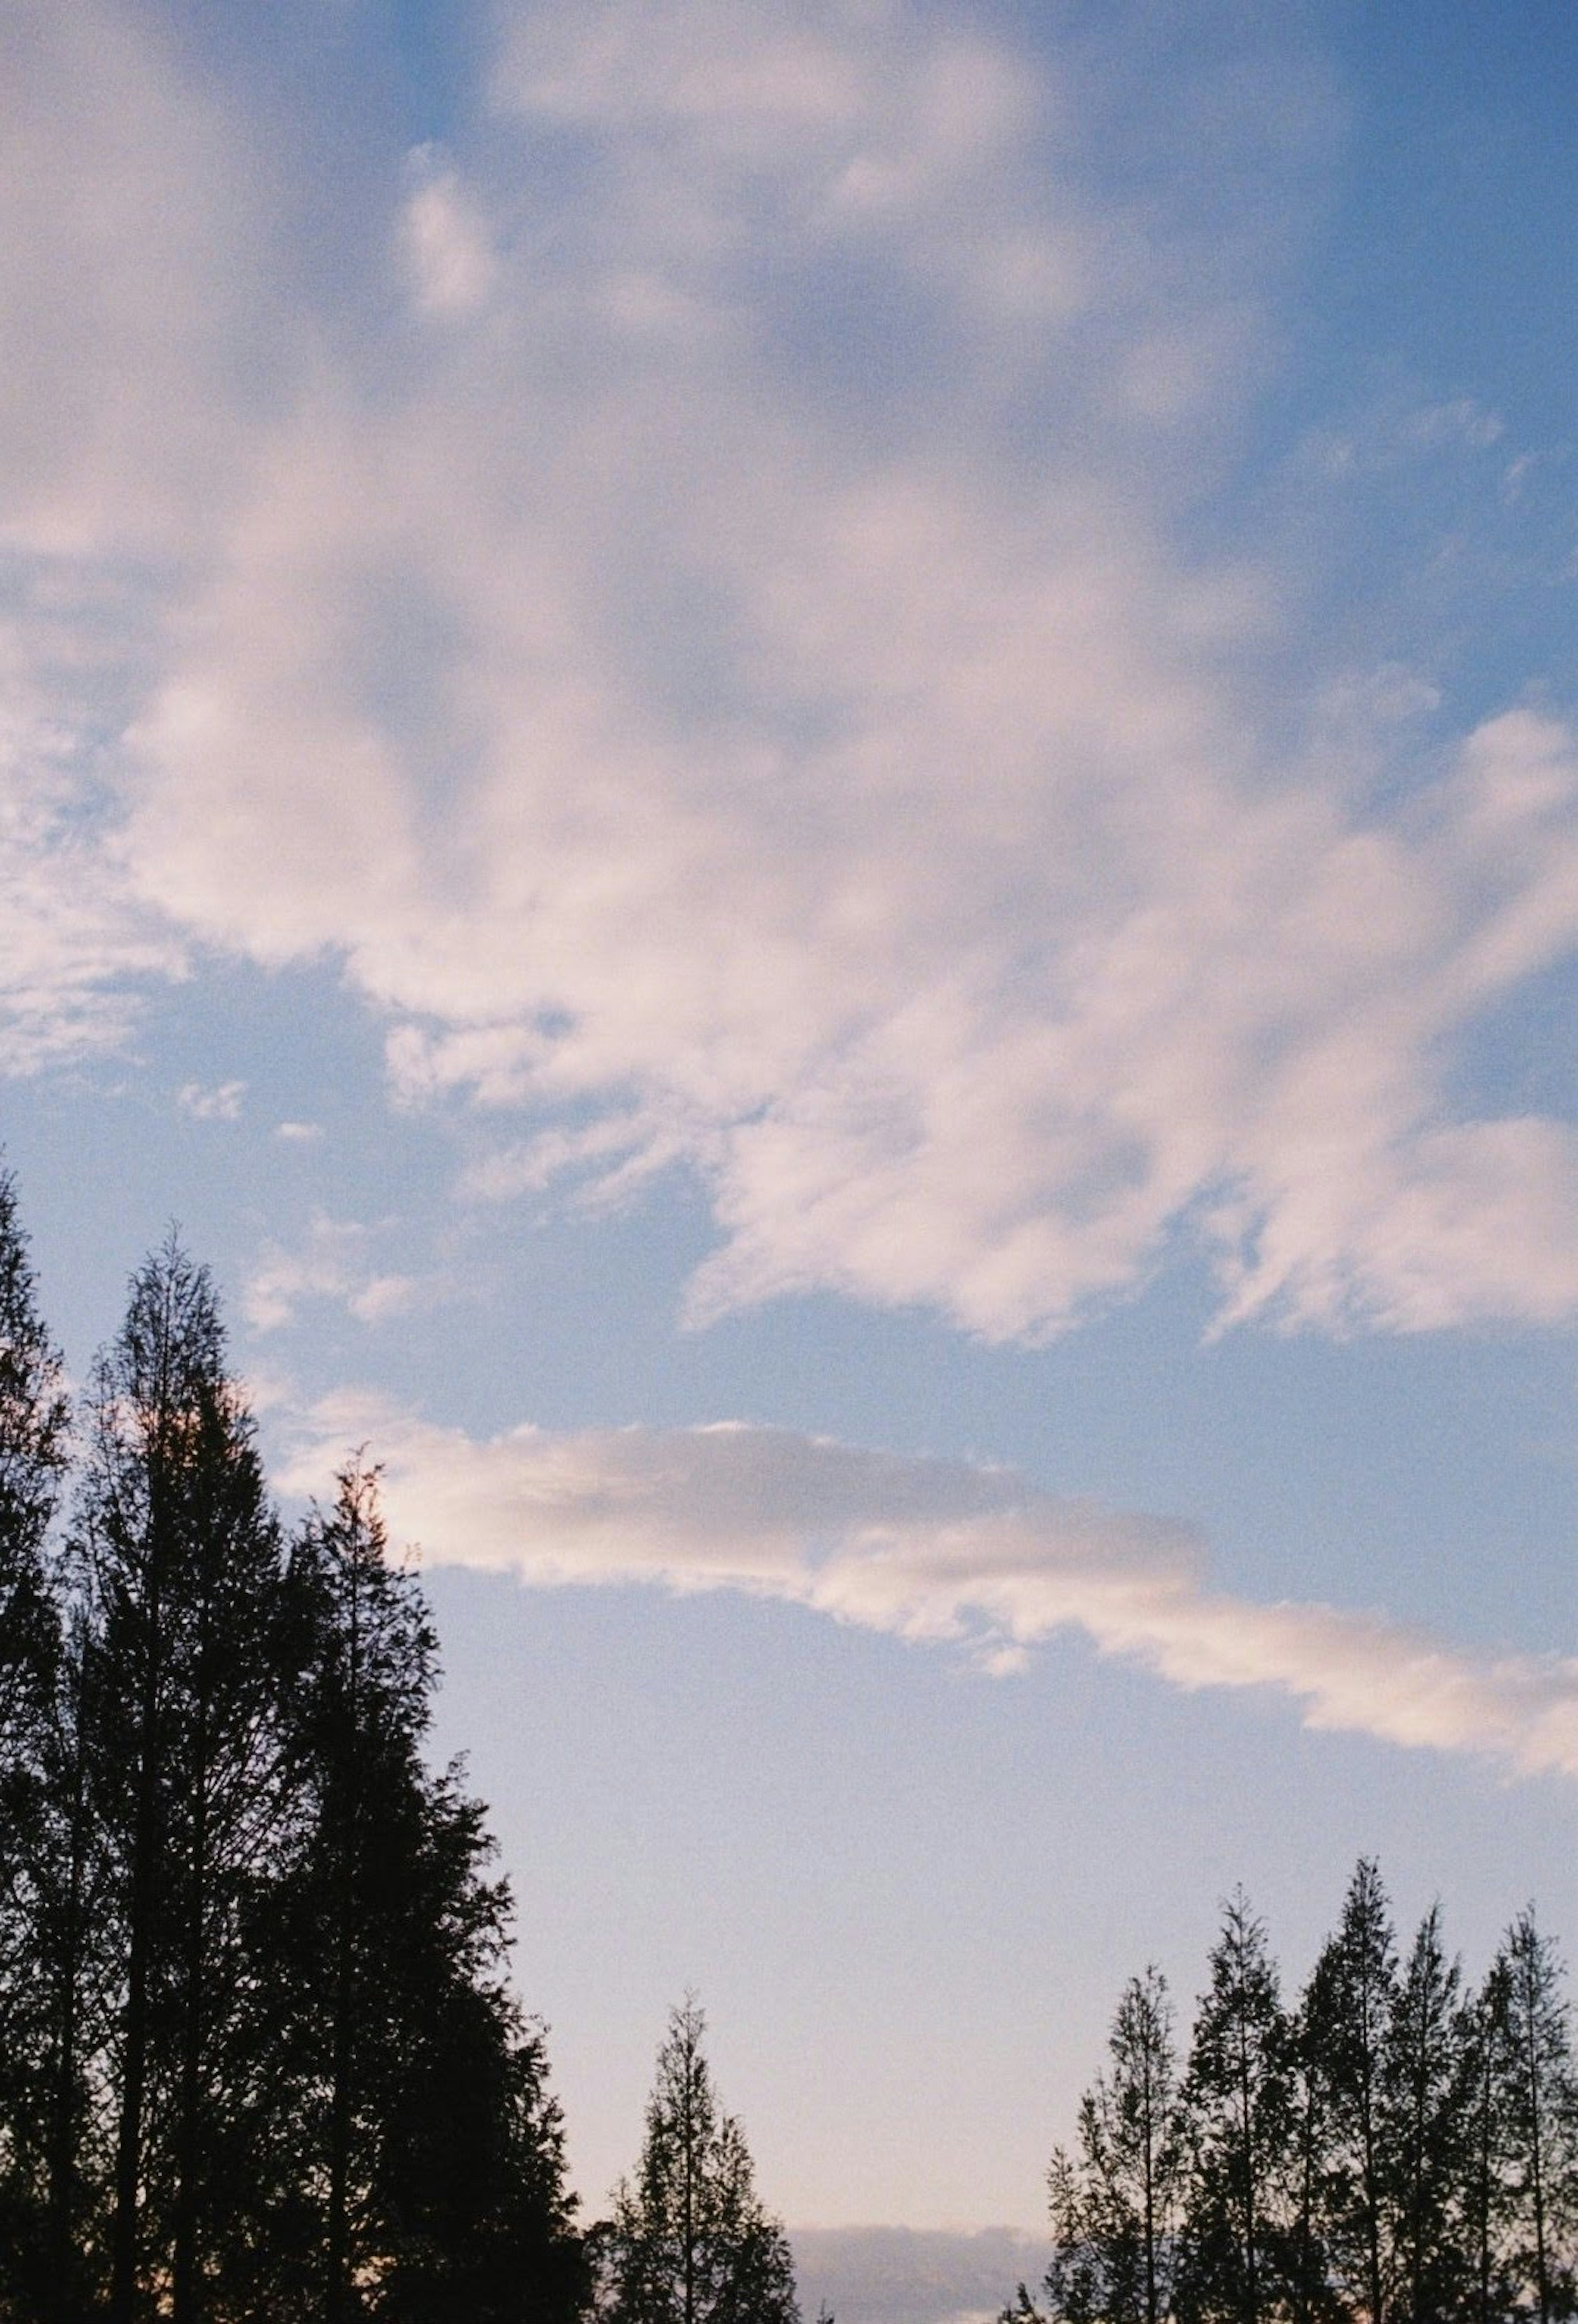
[
  {"x": 259, "y": 2055},
  {"x": 1389, "y": 2146}
]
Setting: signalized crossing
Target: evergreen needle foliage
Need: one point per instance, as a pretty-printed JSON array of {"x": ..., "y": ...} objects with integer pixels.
[
  {"x": 689, "y": 2242},
  {"x": 258, "y": 2056},
  {"x": 1384, "y": 2150}
]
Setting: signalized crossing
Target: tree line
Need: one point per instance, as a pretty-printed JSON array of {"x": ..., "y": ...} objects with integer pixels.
[
  {"x": 259, "y": 2059},
  {"x": 1387, "y": 2147},
  {"x": 259, "y": 2054}
]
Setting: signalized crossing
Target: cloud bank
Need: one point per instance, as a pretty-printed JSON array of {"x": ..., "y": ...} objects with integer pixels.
[
  {"x": 700, "y": 606},
  {"x": 908, "y": 2275},
  {"x": 936, "y": 1551}
]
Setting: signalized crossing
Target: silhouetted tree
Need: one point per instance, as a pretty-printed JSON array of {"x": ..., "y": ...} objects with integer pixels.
[
  {"x": 417, "y": 2166},
  {"x": 689, "y": 2241},
  {"x": 34, "y": 1423},
  {"x": 189, "y": 1786},
  {"x": 1238, "y": 2102},
  {"x": 1423, "y": 2125},
  {"x": 1114, "y": 2203},
  {"x": 1488, "y": 2196},
  {"x": 1541, "y": 2121},
  {"x": 1356, "y": 1981}
]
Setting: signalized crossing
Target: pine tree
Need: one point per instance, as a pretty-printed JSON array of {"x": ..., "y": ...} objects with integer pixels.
[
  {"x": 689, "y": 2241},
  {"x": 189, "y": 1787},
  {"x": 1356, "y": 1982},
  {"x": 1238, "y": 2101},
  {"x": 1114, "y": 2204}
]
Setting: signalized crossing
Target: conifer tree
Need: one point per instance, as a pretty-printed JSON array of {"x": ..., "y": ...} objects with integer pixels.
[
  {"x": 1306, "y": 2272},
  {"x": 1356, "y": 1982},
  {"x": 689, "y": 2241},
  {"x": 1487, "y": 2196},
  {"x": 189, "y": 1783},
  {"x": 1238, "y": 2103},
  {"x": 417, "y": 2167},
  {"x": 1114, "y": 2202},
  {"x": 1541, "y": 2121},
  {"x": 1423, "y": 2130},
  {"x": 33, "y": 1451}
]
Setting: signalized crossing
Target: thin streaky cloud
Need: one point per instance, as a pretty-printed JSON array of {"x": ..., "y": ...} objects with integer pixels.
[{"x": 938, "y": 1551}]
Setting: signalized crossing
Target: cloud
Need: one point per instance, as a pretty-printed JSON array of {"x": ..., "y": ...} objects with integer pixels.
[
  {"x": 445, "y": 243},
  {"x": 298, "y": 1133},
  {"x": 736, "y": 679},
  {"x": 334, "y": 1264},
  {"x": 938, "y": 1551},
  {"x": 77, "y": 947},
  {"x": 221, "y": 1103},
  {"x": 909, "y": 2275}
]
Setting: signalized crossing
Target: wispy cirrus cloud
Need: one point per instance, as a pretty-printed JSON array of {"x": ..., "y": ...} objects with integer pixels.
[
  {"x": 939, "y": 1551},
  {"x": 724, "y": 657}
]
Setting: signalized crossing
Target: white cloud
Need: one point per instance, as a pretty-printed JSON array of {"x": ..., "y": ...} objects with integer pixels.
[
  {"x": 76, "y": 944},
  {"x": 444, "y": 241},
  {"x": 934, "y": 1551},
  {"x": 298, "y": 1133},
  {"x": 750, "y": 697},
  {"x": 220, "y": 1103},
  {"x": 335, "y": 1263}
]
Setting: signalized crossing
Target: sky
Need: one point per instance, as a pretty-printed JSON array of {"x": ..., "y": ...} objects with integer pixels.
[{"x": 806, "y": 773}]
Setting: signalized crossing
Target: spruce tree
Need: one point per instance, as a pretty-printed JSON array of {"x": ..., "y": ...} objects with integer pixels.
[{"x": 689, "y": 2241}]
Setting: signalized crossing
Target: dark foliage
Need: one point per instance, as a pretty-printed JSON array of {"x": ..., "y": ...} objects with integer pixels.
[
  {"x": 259, "y": 2058},
  {"x": 1386, "y": 2152}
]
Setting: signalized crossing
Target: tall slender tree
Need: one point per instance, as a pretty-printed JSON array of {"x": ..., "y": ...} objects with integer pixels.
[
  {"x": 1487, "y": 2195},
  {"x": 34, "y": 1424},
  {"x": 689, "y": 2241},
  {"x": 1541, "y": 2121},
  {"x": 188, "y": 1776},
  {"x": 1423, "y": 2107},
  {"x": 416, "y": 2167},
  {"x": 1238, "y": 2099},
  {"x": 1356, "y": 1978},
  {"x": 1114, "y": 2202}
]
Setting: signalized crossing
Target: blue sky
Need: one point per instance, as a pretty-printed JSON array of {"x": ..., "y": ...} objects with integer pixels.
[{"x": 807, "y": 776}]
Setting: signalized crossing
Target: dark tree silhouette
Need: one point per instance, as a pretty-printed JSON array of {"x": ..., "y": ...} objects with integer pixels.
[
  {"x": 689, "y": 2241},
  {"x": 1356, "y": 1979},
  {"x": 1114, "y": 2202},
  {"x": 188, "y": 1776},
  {"x": 416, "y": 2167},
  {"x": 34, "y": 1423},
  {"x": 1239, "y": 2105},
  {"x": 1541, "y": 2121},
  {"x": 1424, "y": 2126}
]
